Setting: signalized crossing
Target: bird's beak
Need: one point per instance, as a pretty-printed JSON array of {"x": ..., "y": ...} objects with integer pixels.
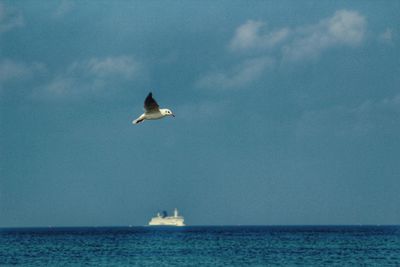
[{"x": 173, "y": 115}]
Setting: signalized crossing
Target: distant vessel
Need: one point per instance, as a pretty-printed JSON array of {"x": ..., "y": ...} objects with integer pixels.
[{"x": 162, "y": 219}]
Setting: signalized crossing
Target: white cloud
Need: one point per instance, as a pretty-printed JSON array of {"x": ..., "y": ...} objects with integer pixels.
[
  {"x": 336, "y": 121},
  {"x": 249, "y": 36},
  {"x": 346, "y": 27},
  {"x": 81, "y": 77},
  {"x": 239, "y": 76},
  {"x": 62, "y": 85},
  {"x": 9, "y": 18},
  {"x": 202, "y": 110},
  {"x": 94, "y": 75},
  {"x": 11, "y": 70},
  {"x": 124, "y": 66},
  {"x": 343, "y": 28},
  {"x": 386, "y": 36},
  {"x": 392, "y": 102},
  {"x": 63, "y": 8},
  {"x": 340, "y": 121}
]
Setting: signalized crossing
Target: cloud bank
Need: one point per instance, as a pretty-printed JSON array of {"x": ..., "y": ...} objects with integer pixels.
[
  {"x": 63, "y": 8},
  {"x": 94, "y": 75},
  {"x": 238, "y": 76},
  {"x": 11, "y": 71},
  {"x": 91, "y": 76},
  {"x": 343, "y": 28},
  {"x": 361, "y": 120},
  {"x": 386, "y": 36},
  {"x": 9, "y": 18},
  {"x": 249, "y": 36},
  {"x": 285, "y": 44}
]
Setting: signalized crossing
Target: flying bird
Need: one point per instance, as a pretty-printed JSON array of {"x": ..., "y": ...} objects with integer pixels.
[{"x": 152, "y": 111}]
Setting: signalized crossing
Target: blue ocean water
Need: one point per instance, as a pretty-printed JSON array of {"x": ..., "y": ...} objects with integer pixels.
[{"x": 202, "y": 246}]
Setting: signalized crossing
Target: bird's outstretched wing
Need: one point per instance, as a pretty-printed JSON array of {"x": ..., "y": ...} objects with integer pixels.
[{"x": 150, "y": 104}]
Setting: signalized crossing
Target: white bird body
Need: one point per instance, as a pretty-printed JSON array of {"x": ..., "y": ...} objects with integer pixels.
[{"x": 152, "y": 111}]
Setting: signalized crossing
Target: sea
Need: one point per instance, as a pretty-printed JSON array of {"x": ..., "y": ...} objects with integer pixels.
[{"x": 202, "y": 246}]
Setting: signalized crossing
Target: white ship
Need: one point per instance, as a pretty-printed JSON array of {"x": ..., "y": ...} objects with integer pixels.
[{"x": 165, "y": 220}]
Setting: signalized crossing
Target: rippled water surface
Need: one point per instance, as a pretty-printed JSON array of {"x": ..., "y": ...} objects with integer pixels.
[{"x": 205, "y": 246}]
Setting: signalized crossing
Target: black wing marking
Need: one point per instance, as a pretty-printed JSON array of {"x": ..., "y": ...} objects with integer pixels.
[{"x": 150, "y": 104}]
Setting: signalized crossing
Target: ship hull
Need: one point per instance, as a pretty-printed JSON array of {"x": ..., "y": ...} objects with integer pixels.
[{"x": 166, "y": 222}]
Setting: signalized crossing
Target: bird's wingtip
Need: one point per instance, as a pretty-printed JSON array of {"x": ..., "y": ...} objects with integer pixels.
[{"x": 137, "y": 121}]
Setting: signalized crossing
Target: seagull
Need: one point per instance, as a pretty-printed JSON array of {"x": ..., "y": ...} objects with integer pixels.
[{"x": 152, "y": 111}]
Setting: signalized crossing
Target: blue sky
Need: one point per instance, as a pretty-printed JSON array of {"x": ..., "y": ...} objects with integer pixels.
[{"x": 287, "y": 112}]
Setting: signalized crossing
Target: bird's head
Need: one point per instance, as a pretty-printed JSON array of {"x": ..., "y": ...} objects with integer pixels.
[{"x": 167, "y": 112}]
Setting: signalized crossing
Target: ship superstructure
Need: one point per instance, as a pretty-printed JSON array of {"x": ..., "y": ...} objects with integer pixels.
[{"x": 162, "y": 219}]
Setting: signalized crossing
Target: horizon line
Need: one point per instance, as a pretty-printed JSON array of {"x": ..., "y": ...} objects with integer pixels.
[{"x": 194, "y": 225}]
